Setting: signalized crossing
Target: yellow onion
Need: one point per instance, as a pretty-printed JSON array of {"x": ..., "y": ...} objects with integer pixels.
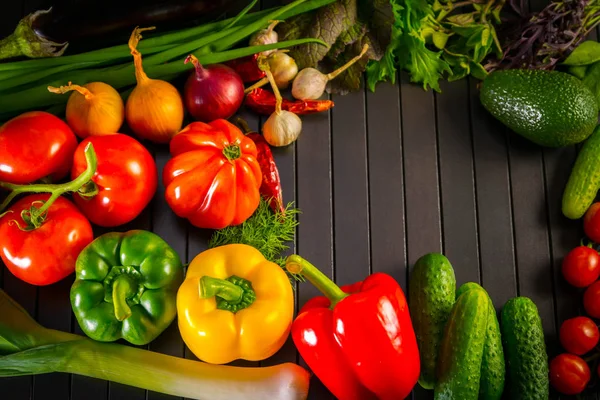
[
  {"x": 282, "y": 127},
  {"x": 310, "y": 83},
  {"x": 94, "y": 109},
  {"x": 154, "y": 109}
]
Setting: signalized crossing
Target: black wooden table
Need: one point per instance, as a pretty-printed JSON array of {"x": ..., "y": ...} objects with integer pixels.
[{"x": 381, "y": 180}]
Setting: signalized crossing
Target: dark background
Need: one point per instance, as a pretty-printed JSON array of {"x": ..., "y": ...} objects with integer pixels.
[{"x": 382, "y": 179}]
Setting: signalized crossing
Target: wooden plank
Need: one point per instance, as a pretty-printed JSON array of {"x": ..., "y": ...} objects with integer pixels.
[
  {"x": 531, "y": 229},
  {"x": 457, "y": 184},
  {"x": 315, "y": 231},
  {"x": 423, "y": 226},
  {"x": 493, "y": 203},
  {"x": 350, "y": 190},
  {"x": 386, "y": 194},
  {"x": 285, "y": 158},
  {"x": 174, "y": 231}
]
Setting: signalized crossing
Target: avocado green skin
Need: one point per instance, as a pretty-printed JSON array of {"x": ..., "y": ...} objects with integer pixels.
[
  {"x": 431, "y": 297},
  {"x": 584, "y": 181},
  {"x": 549, "y": 108},
  {"x": 525, "y": 349},
  {"x": 493, "y": 368},
  {"x": 461, "y": 350}
]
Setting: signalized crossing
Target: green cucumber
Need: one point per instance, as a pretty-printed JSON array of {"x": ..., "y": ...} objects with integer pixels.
[
  {"x": 493, "y": 369},
  {"x": 461, "y": 351},
  {"x": 432, "y": 289},
  {"x": 584, "y": 182},
  {"x": 525, "y": 349}
]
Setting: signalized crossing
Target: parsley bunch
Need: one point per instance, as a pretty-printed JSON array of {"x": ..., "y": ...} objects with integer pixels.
[{"x": 439, "y": 39}]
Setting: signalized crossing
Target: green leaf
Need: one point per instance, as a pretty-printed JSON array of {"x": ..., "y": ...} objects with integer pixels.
[
  {"x": 592, "y": 80},
  {"x": 478, "y": 71},
  {"x": 440, "y": 39},
  {"x": 327, "y": 24},
  {"x": 586, "y": 53},
  {"x": 578, "y": 71},
  {"x": 424, "y": 65}
]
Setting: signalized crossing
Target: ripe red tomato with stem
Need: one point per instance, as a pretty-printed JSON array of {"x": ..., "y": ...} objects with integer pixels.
[
  {"x": 581, "y": 266},
  {"x": 591, "y": 300},
  {"x": 35, "y": 145},
  {"x": 46, "y": 254},
  {"x": 569, "y": 374},
  {"x": 591, "y": 222},
  {"x": 579, "y": 335},
  {"x": 42, "y": 234},
  {"x": 124, "y": 183}
]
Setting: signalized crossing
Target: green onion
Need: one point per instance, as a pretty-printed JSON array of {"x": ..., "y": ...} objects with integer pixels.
[
  {"x": 123, "y": 75},
  {"x": 33, "y": 349}
]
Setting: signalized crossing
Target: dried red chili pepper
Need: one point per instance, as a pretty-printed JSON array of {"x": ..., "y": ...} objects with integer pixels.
[
  {"x": 263, "y": 102},
  {"x": 270, "y": 188},
  {"x": 247, "y": 68}
]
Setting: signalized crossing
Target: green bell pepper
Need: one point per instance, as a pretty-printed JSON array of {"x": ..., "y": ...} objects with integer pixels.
[{"x": 126, "y": 287}]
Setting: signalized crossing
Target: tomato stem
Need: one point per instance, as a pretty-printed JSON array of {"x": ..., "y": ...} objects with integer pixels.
[{"x": 56, "y": 190}]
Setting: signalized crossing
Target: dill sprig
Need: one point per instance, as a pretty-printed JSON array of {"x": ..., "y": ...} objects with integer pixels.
[{"x": 268, "y": 231}]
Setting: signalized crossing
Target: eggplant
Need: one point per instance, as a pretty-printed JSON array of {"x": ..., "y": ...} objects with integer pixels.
[{"x": 98, "y": 23}]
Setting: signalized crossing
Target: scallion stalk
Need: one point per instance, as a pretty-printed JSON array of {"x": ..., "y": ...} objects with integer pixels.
[
  {"x": 33, "y": 349},
  {"x": 123, "y": 75}
]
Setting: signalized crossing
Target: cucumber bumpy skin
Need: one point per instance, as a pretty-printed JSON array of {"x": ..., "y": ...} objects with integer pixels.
[
  {"x": 431, "y": 297},
  {"x": 461, "y": 351},
  {"x": 493, "y": 368},
  {"x": 584, "y": 181},
  {"x": 525, "y": 349}
]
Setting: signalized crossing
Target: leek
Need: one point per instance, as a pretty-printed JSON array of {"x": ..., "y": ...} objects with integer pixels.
[{"x": 32, "y": 350}]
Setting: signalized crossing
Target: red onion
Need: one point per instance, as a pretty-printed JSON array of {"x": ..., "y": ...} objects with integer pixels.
[{"x": 214, "y": 92}]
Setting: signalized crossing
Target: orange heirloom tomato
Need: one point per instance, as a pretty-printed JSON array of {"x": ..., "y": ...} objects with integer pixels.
[{"x": 213, "y": 179}]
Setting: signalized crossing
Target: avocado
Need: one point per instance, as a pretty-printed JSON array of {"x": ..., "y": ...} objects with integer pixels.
[{"x": 550, "y": 108}]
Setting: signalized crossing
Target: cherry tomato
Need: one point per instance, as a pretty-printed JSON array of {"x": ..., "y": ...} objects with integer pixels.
[
  {"x": 46, "y": 254},
  {"x": 581, "y": 267},
  {"x": 579, "y": 335},
  {"x": 35, "y": 145},
  {"x": 569, "y": 374},
  {"x": 126, "y": 179},
  {"x": 591, "y": 222},
  {"x": 591, "y": 300}
]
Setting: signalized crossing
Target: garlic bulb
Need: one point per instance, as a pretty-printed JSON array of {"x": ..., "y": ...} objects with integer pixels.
[
  {"x": 265, "y": 36},
  {"x": 310, "y": 83},
  {"x": 282, "y": 128}
]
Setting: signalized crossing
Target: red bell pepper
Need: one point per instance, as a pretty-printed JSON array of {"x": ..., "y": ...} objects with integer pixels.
[{"x": 358, "y": 339}]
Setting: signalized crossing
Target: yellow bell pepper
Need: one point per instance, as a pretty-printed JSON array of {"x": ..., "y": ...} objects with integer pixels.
[{"x": 234, "y": 304}]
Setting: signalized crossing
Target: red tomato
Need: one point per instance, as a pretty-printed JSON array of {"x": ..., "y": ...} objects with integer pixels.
[
  {"x": 579, "y": 335},
  {"x": 591, "y": 300},
  {"x": 581, "y": 267},
  {"x": 47, "y": 254},
  {"x": 35, "y": 145},
  {"x": 591, "y": 223},
  {"x": 126, "y": 178},
  {"x": 569, "y": 374}
]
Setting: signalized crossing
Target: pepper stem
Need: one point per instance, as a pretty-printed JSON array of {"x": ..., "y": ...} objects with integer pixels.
[
  {"x": 122, "y": 288},
  {"x": 232, "y": 152},
  {"x": 65, "y": 89},
  {"x": 334, "y": 74},
  {"x": 56, "y": 190},
  {"x": 299, "y": 266},
  {"x": 232, "y": 294},
  {"x": 24, "y": 41},
  {"x": 200, "y": 72},
  {"x": 134, "y": 39}
]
